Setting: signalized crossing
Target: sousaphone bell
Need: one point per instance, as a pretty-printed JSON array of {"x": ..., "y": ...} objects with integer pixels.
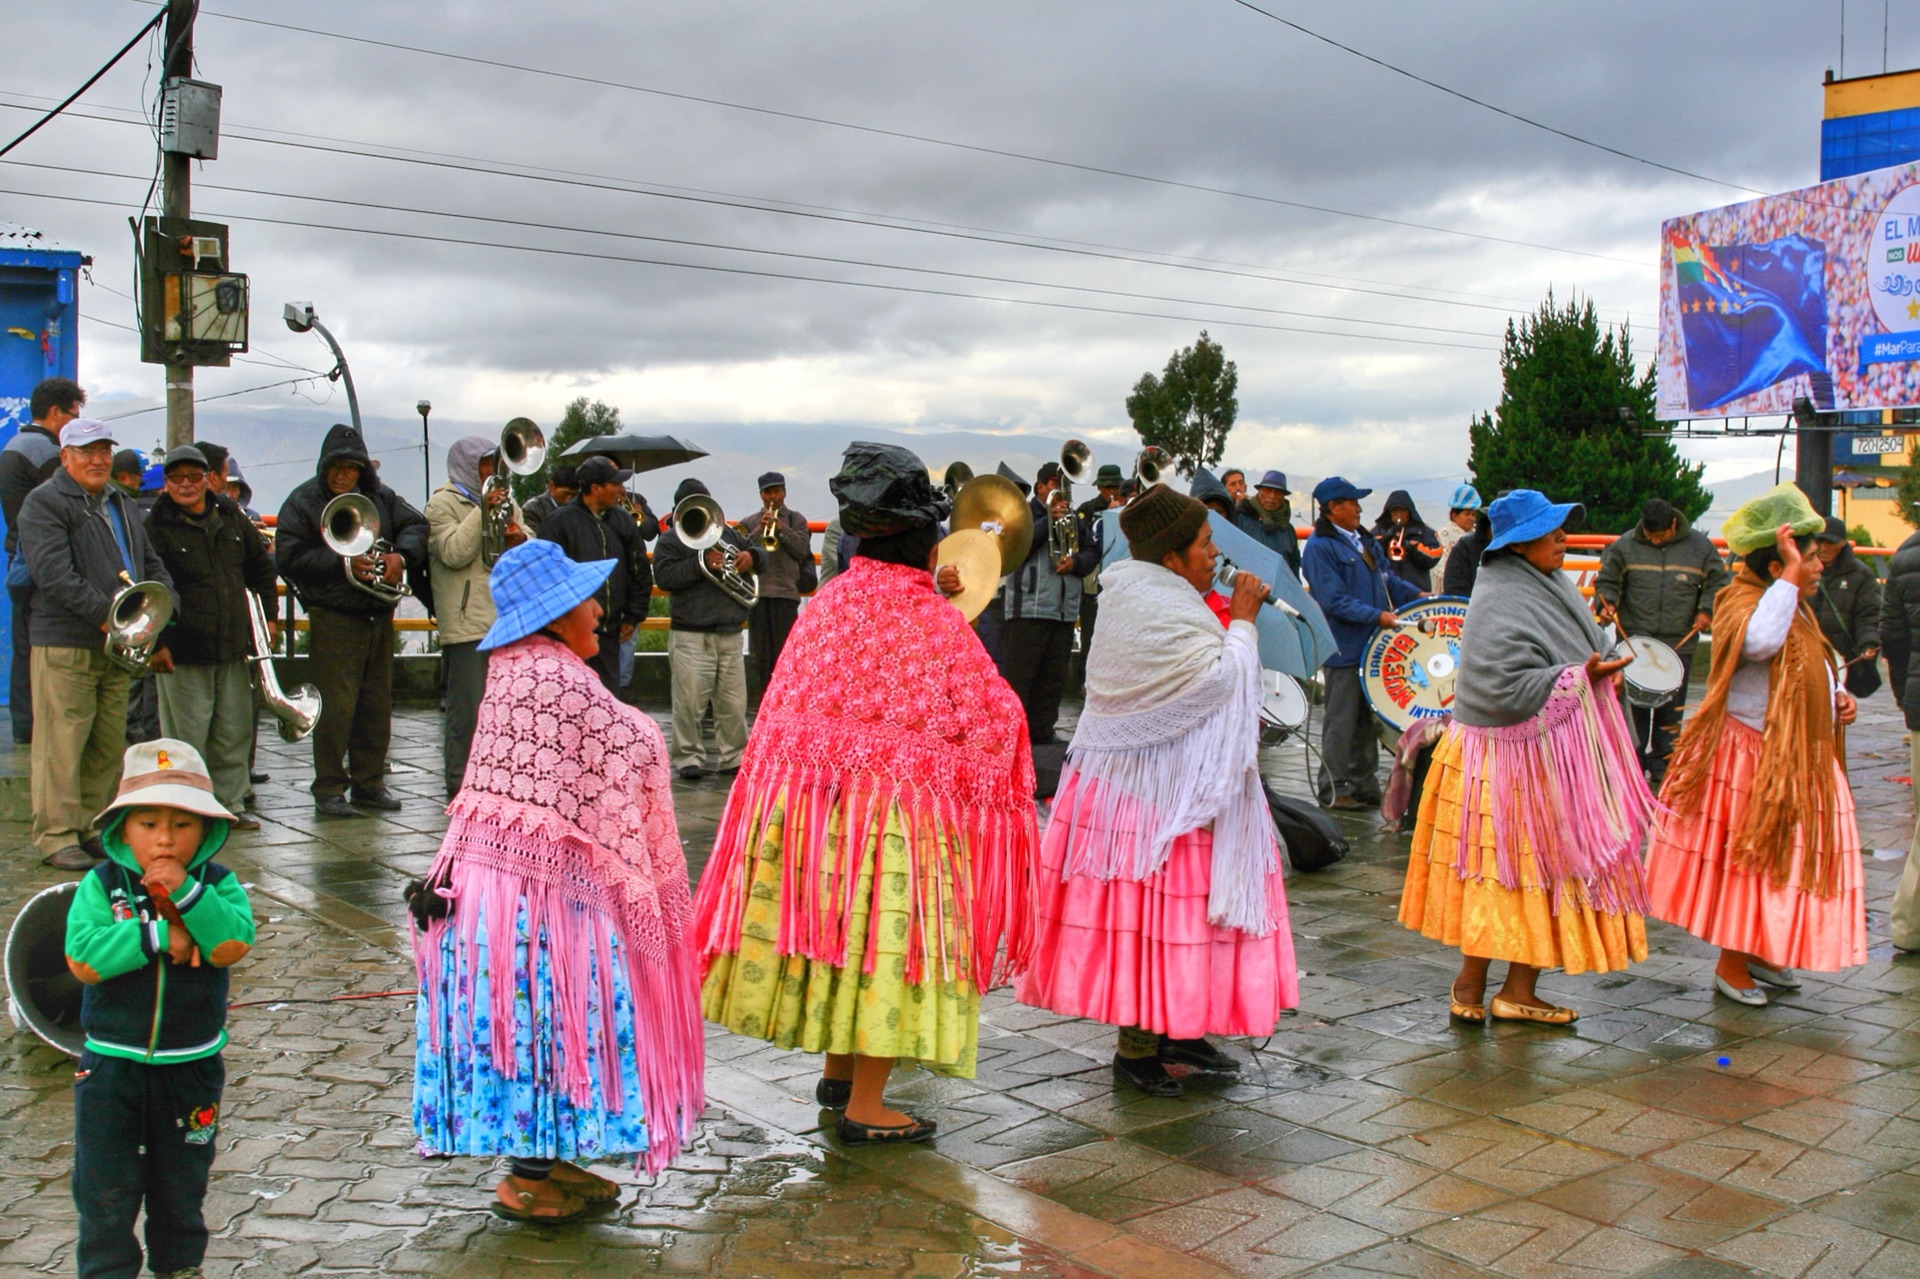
[{"x": 43, "y": 995}]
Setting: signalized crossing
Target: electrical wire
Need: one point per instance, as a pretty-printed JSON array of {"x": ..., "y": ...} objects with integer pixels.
[
  {"x": 91, "y": 80},
  {"x": 782, "y": 253},
  {"x": 204, "y": 399},
  {"x": 1484, "y": 105},
  {"x": 714, "y": 268},
  {"x": 878, "y": 131}
]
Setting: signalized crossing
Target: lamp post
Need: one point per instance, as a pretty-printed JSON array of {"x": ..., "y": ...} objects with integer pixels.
[
  {"x": 300, "y": 318},
  {"x": 423, "y": 408}
]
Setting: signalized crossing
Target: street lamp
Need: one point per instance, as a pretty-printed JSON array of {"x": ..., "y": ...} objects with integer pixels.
[
  {"x": 423, "y": 408},
  {"x": 301, "y": 319}
]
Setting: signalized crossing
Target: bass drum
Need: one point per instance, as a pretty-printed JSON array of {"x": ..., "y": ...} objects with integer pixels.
[
  {"x": 42, "y": 995},
  {"x": 1407, "y": 672},
  {"x": 1283, "y": 707}
]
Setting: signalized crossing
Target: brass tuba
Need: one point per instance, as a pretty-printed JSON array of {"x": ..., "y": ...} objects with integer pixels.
[
  {"x": 135, "y": 618},
  {"x": 1149, "y": 464},
  {"x": 955, "y": 479},
  {"x": 350, "y": 526},
  {"x": 297, "y": 711},
  {"x": 701, "y": 526},
  {"x": 522, "y": 451}
]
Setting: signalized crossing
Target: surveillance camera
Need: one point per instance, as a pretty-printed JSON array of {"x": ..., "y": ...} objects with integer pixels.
[{"x": 299, "y": 316}]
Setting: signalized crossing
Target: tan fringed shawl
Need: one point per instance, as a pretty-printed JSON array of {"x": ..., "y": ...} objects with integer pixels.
[{"x": 1794, "y": 789}]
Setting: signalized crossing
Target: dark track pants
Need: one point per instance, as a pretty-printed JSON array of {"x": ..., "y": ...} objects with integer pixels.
[
  {"x": 767, "y": 629},
  {"x": 1038, "y": 653},
  {"x": 464, "y": 668},
  {"x": 143, "y": 1134},
  {"x": 350, "y": 660}
]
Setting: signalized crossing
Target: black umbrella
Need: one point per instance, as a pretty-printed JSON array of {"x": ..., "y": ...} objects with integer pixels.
[{"x": 638, "y": 452}]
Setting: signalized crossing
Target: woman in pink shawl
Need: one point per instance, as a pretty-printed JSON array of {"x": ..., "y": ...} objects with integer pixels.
[{"x": 557, "y": 1020}]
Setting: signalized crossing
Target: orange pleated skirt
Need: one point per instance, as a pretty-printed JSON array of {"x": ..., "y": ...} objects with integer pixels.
[
  {"x": 1482, "y": 918},
  {"x": 1694, "y": 883}
]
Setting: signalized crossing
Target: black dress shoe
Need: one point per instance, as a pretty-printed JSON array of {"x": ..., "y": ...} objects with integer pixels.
[
  {"x": 72, "y": 857},
  {"x": 1198, "y": 1053},
  {"x": 258, "y": 778},
  {"x": 380, "y": 800},
  {"x": 335, "y": 806},
  {"x": 690, "y": 772},
  {"x": 857, "y": 1134},
  {"x": 833, "y": 1094},
  {"x": 1146, "y": 1074}
]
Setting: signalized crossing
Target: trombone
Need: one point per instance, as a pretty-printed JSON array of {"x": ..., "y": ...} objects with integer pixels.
[
  {"x": 522, "y": 451},
  {"x": 350, "y": 526}
]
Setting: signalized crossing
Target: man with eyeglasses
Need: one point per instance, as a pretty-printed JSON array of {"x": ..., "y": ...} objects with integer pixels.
[{"x": 215, "y": 556}]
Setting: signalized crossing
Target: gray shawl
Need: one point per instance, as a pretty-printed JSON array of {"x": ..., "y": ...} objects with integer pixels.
[{"x": 1523, "y": 628}]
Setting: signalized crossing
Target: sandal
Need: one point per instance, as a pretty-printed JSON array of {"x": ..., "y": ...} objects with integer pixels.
[
  {"x": 1506, "y": 1010},
  {"x": 590, "y": 1188},
  {"x": 523, "y": 1205},
  {"x": 859, "y": 1134},
  {"x": 833, "y": 1094}
]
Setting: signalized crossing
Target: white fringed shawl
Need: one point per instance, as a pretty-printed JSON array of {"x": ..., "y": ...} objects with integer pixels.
[{"x": 1168, "y": 742}]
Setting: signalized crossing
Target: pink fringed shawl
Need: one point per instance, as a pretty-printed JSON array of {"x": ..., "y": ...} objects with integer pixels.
[
  {"x": 884, "y": 700},
  {"x": 567, "y": 808},
  {"x": 1565, "y": 783}
]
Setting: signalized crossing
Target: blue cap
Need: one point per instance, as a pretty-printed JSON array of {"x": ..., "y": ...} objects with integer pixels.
[
  {"x": 1274, "y": 480},
  {"x": 534, "y": 583},
  {"x": 1525, "y": 514},
  {"x": 1465, "y": 498},
  {"x": 772, "y": 479},
  {"x": 1338, "y": 488}
]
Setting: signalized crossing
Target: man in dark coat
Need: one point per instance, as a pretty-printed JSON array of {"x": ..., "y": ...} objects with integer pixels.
[
  {"x": 350, "y": 640},
  {"x": 1900, "y": 640},
  {"x": 215, "y": 556},
  {"x": 29, "y": 460},
  {"x": 1267, "y": 518},
  {"x": 1412, "y": 546},
  {"x": 784, "y": 573},
  {"x": 1847, "y": 604},
  {"x": 705, "y": 655},
  {"x": 595, "y": 526},
  {"x": 1041, "y": 599}
]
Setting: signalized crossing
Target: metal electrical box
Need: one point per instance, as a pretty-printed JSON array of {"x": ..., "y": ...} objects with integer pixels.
[
  {"x": 193, "y": 306},
  {"x": 190, "y": 119}
]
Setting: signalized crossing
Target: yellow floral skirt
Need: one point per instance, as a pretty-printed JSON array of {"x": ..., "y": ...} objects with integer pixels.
[
  {"x": 796, "y": 1002},
  {"x": 1482, "y": 918}
]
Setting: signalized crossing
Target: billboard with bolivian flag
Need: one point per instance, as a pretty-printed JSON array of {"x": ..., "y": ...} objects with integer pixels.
[{"x": 1813, "y": 293}]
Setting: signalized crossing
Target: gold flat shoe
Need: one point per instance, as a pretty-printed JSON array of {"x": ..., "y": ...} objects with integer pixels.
[
  {"x": 1507, "y": 1010},
  {"x": 1475, "y": 1013}
]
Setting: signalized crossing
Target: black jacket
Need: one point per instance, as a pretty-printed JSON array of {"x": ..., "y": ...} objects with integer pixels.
[
  {"x": 28, "y": 461},
  {"x": 1463, "y": 566},
  {"x": 215, "y": 559},
  {"x": 584, "y": 536},
  {"x": 1847, "y": 604},
  {"x": 315, "y": 573},
  {"x": 698, "y": 604},
  {"x": 1900, "y": 627},
  {"x": 1411, "y": 551},
  {"x": 75, "y": 559}
]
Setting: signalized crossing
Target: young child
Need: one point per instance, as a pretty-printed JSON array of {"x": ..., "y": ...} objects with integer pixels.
[{"x": 152, "y": 932}]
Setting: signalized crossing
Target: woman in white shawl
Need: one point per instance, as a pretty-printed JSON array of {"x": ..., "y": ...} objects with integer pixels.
[{"x": 1161, "y": 906}]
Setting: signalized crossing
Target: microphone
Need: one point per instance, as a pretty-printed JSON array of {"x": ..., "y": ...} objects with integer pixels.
[{"x": 1226, "y": 574}]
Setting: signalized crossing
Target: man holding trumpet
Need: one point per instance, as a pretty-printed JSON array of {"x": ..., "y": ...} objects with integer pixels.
[{"x": 785, "y": 576}]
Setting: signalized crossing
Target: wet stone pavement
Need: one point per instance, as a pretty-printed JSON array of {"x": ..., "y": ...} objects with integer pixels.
[{"x": 1667, "y": 1133}]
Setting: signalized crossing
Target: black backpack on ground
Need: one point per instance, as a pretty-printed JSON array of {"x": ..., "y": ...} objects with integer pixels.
[{"x": 1314, "y": 840}]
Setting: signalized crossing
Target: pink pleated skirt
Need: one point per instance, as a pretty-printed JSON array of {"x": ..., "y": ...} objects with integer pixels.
[
  {"x": 1693, "y": 883},
  {"x": 1141, "y": 953}
]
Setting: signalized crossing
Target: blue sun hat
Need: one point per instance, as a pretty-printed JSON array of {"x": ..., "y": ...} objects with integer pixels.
[
  {"x": 534, "y": 583},
  {"x": 1525, "y": 514}
]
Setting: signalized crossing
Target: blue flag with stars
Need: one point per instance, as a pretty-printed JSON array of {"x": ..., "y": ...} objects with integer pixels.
[{"x": 1751, "y": 315}]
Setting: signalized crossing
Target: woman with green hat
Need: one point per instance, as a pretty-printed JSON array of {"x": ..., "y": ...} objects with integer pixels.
[{"x": 1758, "y": 852}]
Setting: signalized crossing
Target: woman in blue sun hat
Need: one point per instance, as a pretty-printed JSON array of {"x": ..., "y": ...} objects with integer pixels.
[{"x": 584, "y": 1043}]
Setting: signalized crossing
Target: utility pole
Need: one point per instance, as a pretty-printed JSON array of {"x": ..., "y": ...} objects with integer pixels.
[{"x": 176, "y": 201}]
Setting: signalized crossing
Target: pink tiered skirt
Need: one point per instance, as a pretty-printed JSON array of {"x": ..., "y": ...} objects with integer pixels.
[
  {"x": 1693, "y": 882},
  {"x": 1141, "y": 953}
]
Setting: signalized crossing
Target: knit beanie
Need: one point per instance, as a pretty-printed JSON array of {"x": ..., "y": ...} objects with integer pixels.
[{"x": 1161, "y": 522}]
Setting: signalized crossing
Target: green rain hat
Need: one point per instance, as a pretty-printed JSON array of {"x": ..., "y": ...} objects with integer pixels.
[{"x": 1756, "y": 524}]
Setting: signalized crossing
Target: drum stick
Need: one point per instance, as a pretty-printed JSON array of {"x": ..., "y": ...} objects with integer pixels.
[{"x": 1689, "y": 635}]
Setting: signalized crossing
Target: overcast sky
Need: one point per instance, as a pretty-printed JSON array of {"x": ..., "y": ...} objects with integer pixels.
[{"x": 1198, "y": 92}]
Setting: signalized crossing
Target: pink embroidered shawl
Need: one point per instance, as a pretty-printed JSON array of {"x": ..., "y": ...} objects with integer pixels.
[
  {"x": 566, "y": 809},
  {"x": 884, "y": 699}
]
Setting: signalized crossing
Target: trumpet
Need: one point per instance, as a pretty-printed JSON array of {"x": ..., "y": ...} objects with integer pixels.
[
  {"x": 770, "y": 528},
  {"x": 350, "y": 526},
  {"x": 702, "y": 526},
  {"x": 1076, "y": 463},
  {"x": 135, "y": 618},
  {"x": 523, "y": 450},
  {"x": 1150, "y": 463},
  {"x": 297, "y": 711}
]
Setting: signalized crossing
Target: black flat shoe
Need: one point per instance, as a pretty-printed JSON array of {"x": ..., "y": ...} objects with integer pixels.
[
  {"x": 381, "y": 800},
  {"x": 1146, "y": 1074},
  {"x": 335, "y": 806},
  {"x": 1198, "y": 1053},
  {"x": 833, "y": 1094},
  {"x": 854, "y": 1134}
]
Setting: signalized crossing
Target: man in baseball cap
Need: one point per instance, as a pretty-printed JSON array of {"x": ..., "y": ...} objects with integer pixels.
[{"x": 595, "y": 526}]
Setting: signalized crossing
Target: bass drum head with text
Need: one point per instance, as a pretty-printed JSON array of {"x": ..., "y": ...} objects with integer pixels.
[
  {"x": 1407, "y": 673},
  {"x": 1283, "y": 706},
  {"x": 42, "y": 995}
]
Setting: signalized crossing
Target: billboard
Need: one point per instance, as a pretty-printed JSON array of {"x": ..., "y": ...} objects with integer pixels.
[{"x": 1815, "y": 292}]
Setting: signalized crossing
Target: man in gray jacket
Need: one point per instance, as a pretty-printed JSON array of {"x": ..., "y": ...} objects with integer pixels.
[
  {"x": 778, "y": 607},
  {"x": 1042, "y": 600},
  {"x": 1659, "y": 581},
  {"x": 79, "y": 536}
]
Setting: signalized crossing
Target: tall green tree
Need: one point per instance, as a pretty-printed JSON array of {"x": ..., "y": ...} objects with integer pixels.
[
  {"x": 583, "y": 418},
  {"x": 1190, "y": 407},
  {"x": 1576, "y": 422}
]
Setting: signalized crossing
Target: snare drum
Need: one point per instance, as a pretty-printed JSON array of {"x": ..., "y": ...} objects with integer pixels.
[
  {"x": 1656, "y": 674},
  {"x": 1283, "y": 706}
]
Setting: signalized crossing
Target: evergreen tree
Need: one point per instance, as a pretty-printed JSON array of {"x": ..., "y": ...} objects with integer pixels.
[
  {"x": 1189, "y": 408},
  {"x": 582, "y": 419},
  {"x": 1575, "y": 422}
]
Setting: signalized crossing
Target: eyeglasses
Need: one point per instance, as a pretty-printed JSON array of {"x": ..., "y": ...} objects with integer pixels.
[{"x": 180, "y": 475}]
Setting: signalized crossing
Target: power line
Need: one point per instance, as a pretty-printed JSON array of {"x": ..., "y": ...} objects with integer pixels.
[
  {"x": 783, "y": 253},
  {"x": 202, "y": 399},
  {"x": 899, "y": 134},
  {"x": 91, "y": 80},
  {"x": 1488, "y": 106},
  {"x": 873, "y": 285}
]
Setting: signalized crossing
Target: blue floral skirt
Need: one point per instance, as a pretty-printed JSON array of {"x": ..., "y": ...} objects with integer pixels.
[{"x": 462, "y": 1105}]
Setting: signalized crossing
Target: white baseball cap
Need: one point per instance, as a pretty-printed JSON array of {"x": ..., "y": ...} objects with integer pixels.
[{"x": 83, "y": 431}]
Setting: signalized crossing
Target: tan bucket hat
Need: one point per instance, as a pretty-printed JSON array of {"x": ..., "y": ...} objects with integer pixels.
[{"x": 165, "y": 773}]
